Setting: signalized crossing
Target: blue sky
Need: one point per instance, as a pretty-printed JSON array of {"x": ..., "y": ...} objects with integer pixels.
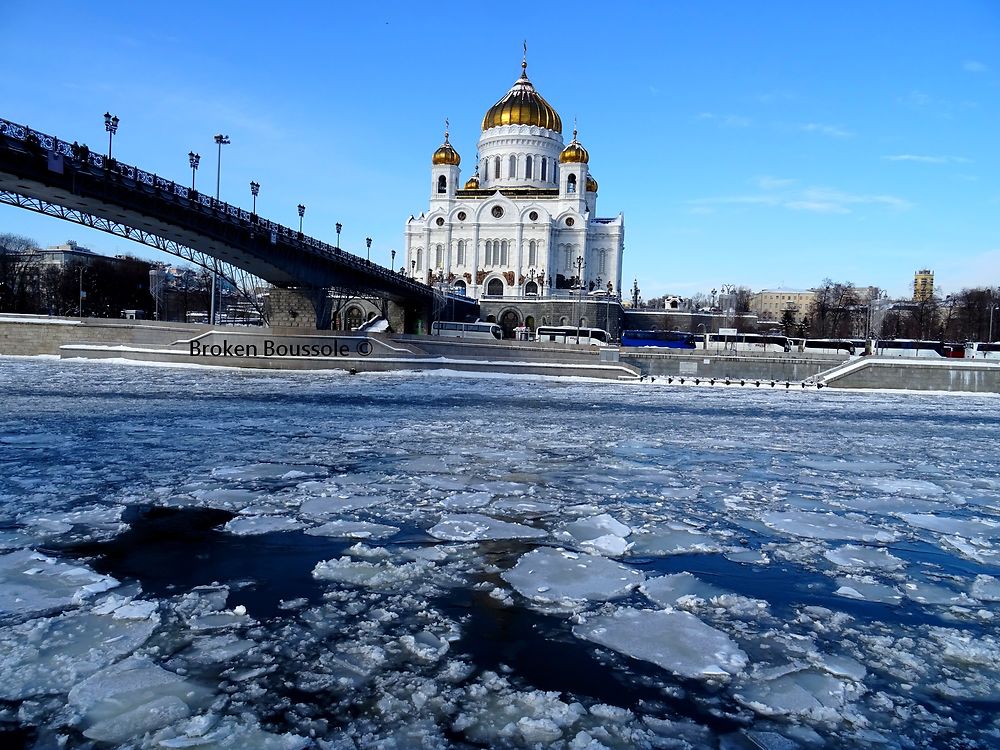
[{"x": 758, "y": 143}]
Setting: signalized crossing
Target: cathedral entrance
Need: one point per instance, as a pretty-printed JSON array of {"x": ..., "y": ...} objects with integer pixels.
[{"x": 509, "y": 320}]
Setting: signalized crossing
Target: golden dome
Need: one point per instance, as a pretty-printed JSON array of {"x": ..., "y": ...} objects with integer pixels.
[
  {"x": 574, "y": 152},
  {"x": 591, "y": 184},
  {"x": 473, "y": 182},
  {"x": 522, "y": 106},
  {"x": 446, "y": 154}
]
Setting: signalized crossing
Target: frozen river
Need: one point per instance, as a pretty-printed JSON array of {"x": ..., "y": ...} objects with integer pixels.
[{"x": 196, "y": 558}]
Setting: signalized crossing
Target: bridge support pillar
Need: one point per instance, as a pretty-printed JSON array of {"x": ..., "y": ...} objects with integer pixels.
[
  {"x": 299, "y": 307},
  {"x": 412, "y": 317}
]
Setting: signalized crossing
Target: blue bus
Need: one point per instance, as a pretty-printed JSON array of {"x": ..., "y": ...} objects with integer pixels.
[{"x": 665, "y": 339}]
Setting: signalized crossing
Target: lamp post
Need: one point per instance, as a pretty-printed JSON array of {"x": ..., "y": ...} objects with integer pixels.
[
  {"x": 607, "y": 311},
  {"x": 597, "y": 285},
  {"x": 193, "y": 159},
  {"x": 392, "y": 260},
  {"x": 302, "y": 213},
  {"x": 635, "y": 294},
  {"x": 111, "y": 125},
  {"x": 368, "y": 245},
  {"x": 579, "y": 283},
  {"x": 220, "y": 140},
  {"x": 339, "y": 227},
  {"x": 413, "y": 269},
  {"x": 254, "y": 191}
]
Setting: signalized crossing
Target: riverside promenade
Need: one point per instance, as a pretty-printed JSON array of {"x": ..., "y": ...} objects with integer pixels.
[{"x": 299, "y": 348}]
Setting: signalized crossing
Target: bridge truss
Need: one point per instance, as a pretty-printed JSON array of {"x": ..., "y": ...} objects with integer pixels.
[{"x": 246, "y": 284}]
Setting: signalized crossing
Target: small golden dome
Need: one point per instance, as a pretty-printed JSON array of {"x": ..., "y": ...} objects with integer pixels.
[
  {"x": 446, "y": 154},
  {"x": 473, "y": 182},
  {"x": 591, "y": 184},
  {"x": 522, "y": 106},
  {"x": 574, "y": 152}
]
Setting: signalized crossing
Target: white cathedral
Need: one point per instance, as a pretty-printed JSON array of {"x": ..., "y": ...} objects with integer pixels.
[{"x": 525, "y": 224}]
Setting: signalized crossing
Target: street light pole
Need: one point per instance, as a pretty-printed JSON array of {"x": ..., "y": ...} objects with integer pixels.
[
  {"x": 579, "y": 281},
  {"x": 193, "y": 160},
  {"x": 339, "y": 227},
  {"x": 254, "y": 191},
  {"x": 392, "y": 261},
  {"x": 302, "y": 213},
  {"x": 220, "y": 140},
  {"x": 607, "y": 311},
  {"x": 111, "y": 125},
  {"x": 368, "y": 244}
]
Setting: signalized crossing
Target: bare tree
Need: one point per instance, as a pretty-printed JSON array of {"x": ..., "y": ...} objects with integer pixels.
[{"x": 20, "y": 268}]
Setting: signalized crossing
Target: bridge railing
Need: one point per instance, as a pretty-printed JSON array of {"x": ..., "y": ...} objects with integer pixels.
[{"x": 82, "y": 156}]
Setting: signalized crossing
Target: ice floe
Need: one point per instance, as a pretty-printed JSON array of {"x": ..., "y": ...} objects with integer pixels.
[
  {"x": 677, "y": 641},
  {"x": 475, "y": 527},
  {"x": 826, "y": 526},
  {"x": 559, "y": 576}
]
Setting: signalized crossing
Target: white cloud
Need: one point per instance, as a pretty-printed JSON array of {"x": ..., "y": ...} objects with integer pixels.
[
  {"x": 834, "y": 131},
  {"x": 974, "y": 66},
  {"x": 736, "y": 121},
  {"x": 924, "y": 159},
  {"x": 819, "y": 207},
  {"x": 726, "y": 121},
  {"x": 767, "y": 182},
  {"x": 821, "y": 200}
]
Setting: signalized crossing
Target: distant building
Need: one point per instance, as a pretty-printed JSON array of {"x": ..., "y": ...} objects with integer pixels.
[
  {"x": 69, "y": 251},
  {"x": 923, "y": 285},
  {"x": 771, "y": 304}
]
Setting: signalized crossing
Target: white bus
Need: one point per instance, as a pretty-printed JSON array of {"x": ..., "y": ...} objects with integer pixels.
[
  {"x": 572, "y": 335},
  {"x": 466, "y": 330}
]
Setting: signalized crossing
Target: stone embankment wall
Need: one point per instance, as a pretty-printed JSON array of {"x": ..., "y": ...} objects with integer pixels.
[
  {"x": 914, "y": 375},
  {"x": 792, "y": 366},
  {"x": 31, "y": 336}
]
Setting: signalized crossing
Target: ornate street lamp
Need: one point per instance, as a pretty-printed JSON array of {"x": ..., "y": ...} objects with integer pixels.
[
  {"x": 111, "y": 125},
  {"x": 221, "y": 140},
  {"x": 193, "y": 159},
  {"x": 339, "y": 227},
  {"x": 392, "y": 261},
  {"x": 254, "y": 191},
  {"x": 302, "y": 213},
  {"x": 368, "y": 243}
]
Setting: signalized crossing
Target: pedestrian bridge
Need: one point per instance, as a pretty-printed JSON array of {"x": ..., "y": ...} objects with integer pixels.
[{"x": 59, "y": 178}]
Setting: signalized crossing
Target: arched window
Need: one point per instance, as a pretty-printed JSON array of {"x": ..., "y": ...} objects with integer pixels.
[
  {"x": 495, "y": 288},
  {"x": 489, "y": 252},
  {"x": 531, "y": 288},
  {"x": 544, "y": 171},
  {"x": 496, "y": 167},
  {"x": 420, "y": 259},
  {"x": 571, "y": 184},
  {"x": 439, "y": 256},
  {"x": 355, "y": 317},
  {"x": 442, "y": 184},
  {"x": 512, "y": 171},
  {"x": 503, "y": 253},
  {"x": 460, "y": 260},
  {"x": 527, "y": 167},
  {"x": 459, "y": 287},
  {"x": 532, "y": 253}
]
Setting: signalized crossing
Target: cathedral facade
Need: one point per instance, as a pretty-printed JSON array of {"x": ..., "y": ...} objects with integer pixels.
[{"x": 525, "y": 225}]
